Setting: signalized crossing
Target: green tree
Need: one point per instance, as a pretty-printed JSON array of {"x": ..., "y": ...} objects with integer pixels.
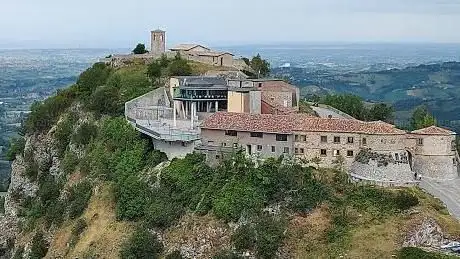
[
  {"x": 381, "y": 112},
  {"x": 142, "y": 244},
  {"x": 93, "y": 77},
  {"x": 179, "y": 67},
  {"x": 350, "y": 104},
  {"x": 154, "y": 71},
  {"x": 140, "y": 49},
  {"x": 39, "y": 246},
  {"x": 260, "y": 66},
  {"x": 421, "y": 118}
]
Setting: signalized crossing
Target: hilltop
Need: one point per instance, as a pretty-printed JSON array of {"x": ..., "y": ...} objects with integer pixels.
[
  {"x": 85, "y": 184},
  {"x": 434, "y": 85}
]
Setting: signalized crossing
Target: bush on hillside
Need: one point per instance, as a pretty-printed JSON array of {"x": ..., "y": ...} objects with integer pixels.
[
  {"x": 45, "y": 114},
  {"x": 85, "y": 134},
  {"x": 2, "y": 205},
  {"x": 174, "y": 255},
  {"x": 79, "y": 227},
  {"x": 69, "y": 162},
  {"x": 39, "y": 246},
  {"x": 269, "y": 236},
  {"x": 132, "y": 196},
  {"x": 142, "y": 244},
  {"x": 237, "y": 198},
  {"x": 106, "y": 101},
  {"x": 179, "y": 67},
  {"x": 244, "y": 238},
  {"x": 226, "y": 254},
  {"x": 417, "y": 253},
  {"x": 78, "y": 199},
  {"x": 19, "y": 254},
  {"x": 63, "y": 133},
  {"x": 16, "y": 147},
  {"x": 162, "y": 212},
  {"x": 93, "y": 77}
]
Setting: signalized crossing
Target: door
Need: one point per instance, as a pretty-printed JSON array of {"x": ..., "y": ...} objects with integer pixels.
[{"x": 249, "y": 149}]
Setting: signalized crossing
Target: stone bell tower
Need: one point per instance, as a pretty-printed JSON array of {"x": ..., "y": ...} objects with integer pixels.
[{"x": 158, "y": 42}]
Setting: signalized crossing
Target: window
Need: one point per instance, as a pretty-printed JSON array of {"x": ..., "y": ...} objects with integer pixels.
[
  {"x": 302, "y": 138},
  {"x": 350, "y": 153},
  {"x": 210, "y": 142},
  {"x": 336, "y": 152},
  {"x": 350, "y": 140},
  {"x": 273, "y": 149},
  {"x": 286, "y": 150},
  {"x": 296, "y": 150},
  {"x": 336, "y": 140},
  {"x": 302, "y": 151},
  {"x": 235, "y": 145},
  {"x": 453, "y": 160},
  {"x": 420, "y": 142},
  {"x": 259, "y": 147},
  {"x": 281, "y": 137},
  {"x": 323, "y": 139},
  {"x": 231, "y": 133},
  {"x": 224, "y": 144},
  {"x": 323, "y": 152},
  {"x": 396, "y": 156},
  {"x": 364, "y": 141},
  {"x": 257, "y": 135},
  {"x": 217, "y": 157}
]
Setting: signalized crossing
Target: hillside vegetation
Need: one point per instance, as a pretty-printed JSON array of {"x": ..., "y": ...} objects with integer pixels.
[{"x": 113, "y": 196}]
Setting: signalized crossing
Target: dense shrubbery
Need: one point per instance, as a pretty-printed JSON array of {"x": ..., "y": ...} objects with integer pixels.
[
  {"x": 16, "y": 148},
  {"x": 78, "y": 199},
  {"x": 39, "y": 246},
  {"x": 93, "y": 77},
  {"x": 142, "y": 244},
  {"x": 417, "y": 253},
  {"x": 45, "y": 114},
  {"x": 2, "y": 205},
  {"x": 354, "y": 105},
  {"x": 85, "y": 134},
  {"x": 79, "y": 227},
  {"x": 63, "y": 133}
]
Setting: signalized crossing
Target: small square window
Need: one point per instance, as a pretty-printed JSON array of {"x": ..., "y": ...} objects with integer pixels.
[
  {"x": 350, "y": 153},
  {"x": 350, "y": 140},
  {"x": 302, "y": 151},
  {"x": 281, "y": 137},
  {"x": 323, "y": 139},
  {"x": 364, "y": 141},
  {"x": 336, "y": 152},
  {"x": 323, "y": 152},
  {"x": 420, "y": 141},
  {"x": 235, "y": 145},
  {"x": 224, "y": 144},
  {"x": 396, "y": 156},
  {"x": 259, "y": 147},
  {"x": 217, "y": 157},
  {"x": 296, "y": 150},
  {"x": 273, "y": 149},
  {"x": 300, "y": 138},
  {"x": 297, "y": 138},
  {"x": 286, "y": 150},
  {"x": 336, "y": 140},
  {"x": 232, "y": 133},
  {"x": 210, "y": 142},
  {"x": 257, "y": 135}
]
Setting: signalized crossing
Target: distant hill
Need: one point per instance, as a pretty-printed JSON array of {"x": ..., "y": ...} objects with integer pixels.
[{"x": 435, "y": 85}]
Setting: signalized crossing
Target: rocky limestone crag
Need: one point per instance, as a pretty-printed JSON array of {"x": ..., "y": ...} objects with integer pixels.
[
  {"x": 38, "y": 150},
  {"x": 427, "y": 234}
]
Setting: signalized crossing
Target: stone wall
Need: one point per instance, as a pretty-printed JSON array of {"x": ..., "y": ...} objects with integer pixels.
[
  {"x": 438, "y": 167},
  {"x": 175, "y": 148}
]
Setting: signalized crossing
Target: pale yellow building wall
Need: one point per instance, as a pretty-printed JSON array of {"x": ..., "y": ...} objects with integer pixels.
[
  {"x": 386, "y": 142},
  {"x": 236, "y": 102}
]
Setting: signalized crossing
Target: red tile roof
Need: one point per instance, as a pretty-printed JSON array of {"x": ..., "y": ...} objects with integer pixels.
[
  {"x": 275, "y": 108},
  {"x": 277, "y": 86},
  {"x": 433, "y": 130},
  {"x": 290, "y": 123}
]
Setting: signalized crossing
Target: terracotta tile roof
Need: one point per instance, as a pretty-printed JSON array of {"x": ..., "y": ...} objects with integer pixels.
[
  {"x": 250, "y": 122},
  {"x": 278, "y": 86},
  {"x": 276, "y": 108},
  {"x": 289, "y": 123},
  {"x": 187, "y": 47},
  {"x": 433, "y": 130}
]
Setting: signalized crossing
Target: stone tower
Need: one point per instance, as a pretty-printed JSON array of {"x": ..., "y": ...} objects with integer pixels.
[{"x": 158, "y": 42}]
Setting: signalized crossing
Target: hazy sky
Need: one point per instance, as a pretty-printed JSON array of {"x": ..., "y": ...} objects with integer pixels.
[{"x": 122, "y": 23}]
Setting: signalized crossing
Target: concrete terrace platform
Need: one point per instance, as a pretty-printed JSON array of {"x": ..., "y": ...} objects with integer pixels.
[
  {"x": 166, "y": 130},
  {"x": 448, "y": 191}
]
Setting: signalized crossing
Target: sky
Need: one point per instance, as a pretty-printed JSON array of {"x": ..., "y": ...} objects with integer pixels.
[{"x": 123, "y": 23}]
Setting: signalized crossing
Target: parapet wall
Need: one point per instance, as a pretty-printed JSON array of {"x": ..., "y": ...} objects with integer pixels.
[{"x": 438, "y": 167}]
